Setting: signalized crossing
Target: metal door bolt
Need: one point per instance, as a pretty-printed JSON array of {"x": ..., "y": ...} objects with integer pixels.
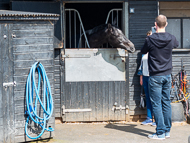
[
  {"x": 13, "y": 36},
  {"x": 9, "y": 84}
]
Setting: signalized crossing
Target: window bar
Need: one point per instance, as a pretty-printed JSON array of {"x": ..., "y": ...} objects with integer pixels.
[
  {"x": 65, "y": 30},
  {"x": 70, "y": 29},
  {"x": 181, "y": 33},
  {"x": 112, "y": 17},
  {"x": 75, "y": 29},
  {"x": 80, "y": 36},
  {"x": 117, "y": 18}
]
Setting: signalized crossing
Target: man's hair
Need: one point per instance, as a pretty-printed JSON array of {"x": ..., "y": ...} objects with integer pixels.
[
  {"x": 161, "y": 21},
  {"x": 149, "y": 32}
]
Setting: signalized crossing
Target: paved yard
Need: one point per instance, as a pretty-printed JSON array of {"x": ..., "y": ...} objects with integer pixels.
[{"x": 122, "y": 132}]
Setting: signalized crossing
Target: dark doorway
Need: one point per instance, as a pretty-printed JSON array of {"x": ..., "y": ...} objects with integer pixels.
[{"x": 92, "y": 15}]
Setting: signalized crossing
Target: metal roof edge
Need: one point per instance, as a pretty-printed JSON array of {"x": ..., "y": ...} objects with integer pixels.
[{"x": 22, "y": 15}]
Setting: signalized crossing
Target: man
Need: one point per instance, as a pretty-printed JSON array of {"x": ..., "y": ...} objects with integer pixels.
[{"x": 160, "y": 45}]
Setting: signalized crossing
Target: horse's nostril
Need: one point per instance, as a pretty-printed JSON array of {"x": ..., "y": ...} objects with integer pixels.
[{"x": 132, "y": 49}]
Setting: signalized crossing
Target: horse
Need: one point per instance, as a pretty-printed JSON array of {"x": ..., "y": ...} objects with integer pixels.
[{"x": 106, "y": 33}]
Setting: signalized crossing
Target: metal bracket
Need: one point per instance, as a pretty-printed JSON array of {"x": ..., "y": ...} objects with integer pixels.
[
  {"x": 13, "y": 36},
  {"x": 114, "y": 108},
  {"x": 118, "y": 108},
  {"x": 9, "y": 84},
  {"x": 114, "y": 56},
  {"x": 74, "y": 110},
  {"x": 77, "y": 56},
  {"x": 62, "y": 54}
]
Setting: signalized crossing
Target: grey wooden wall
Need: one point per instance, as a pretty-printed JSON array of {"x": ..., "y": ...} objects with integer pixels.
[
  {"x": 176, "y": 62},
  {"x": 134, "y": 86},
  {"x": 33, "y": 42},
  {"x": 139, "y": 23},
  {"x": 57, "y": 81},
  {"x": 6, "y": 93}
]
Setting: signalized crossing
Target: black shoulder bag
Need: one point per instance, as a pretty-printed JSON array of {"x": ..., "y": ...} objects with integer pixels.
[{"x": 142, "y": 100}]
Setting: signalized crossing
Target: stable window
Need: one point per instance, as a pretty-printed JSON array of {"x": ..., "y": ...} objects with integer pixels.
[
  {"x": 91, "y": 15},
  {"x": 179, "y": 27},
  {"x": 178, "y": 14}
]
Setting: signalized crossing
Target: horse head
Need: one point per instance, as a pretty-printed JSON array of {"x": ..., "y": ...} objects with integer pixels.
[
  {"x": 118, "y": 39},
  {"x": 107, "y": 33}
]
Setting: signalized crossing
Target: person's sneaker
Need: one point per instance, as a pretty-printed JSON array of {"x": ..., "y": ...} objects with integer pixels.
[
  {"x": 148, "y": 121},
  {"x": 167, "y": 134},
  {"x": 157, "y": 137},
  {"x": 153, "y": 124}
]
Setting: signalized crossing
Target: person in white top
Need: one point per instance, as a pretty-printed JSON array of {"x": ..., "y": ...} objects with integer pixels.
[{"x": 143, "y": 72}]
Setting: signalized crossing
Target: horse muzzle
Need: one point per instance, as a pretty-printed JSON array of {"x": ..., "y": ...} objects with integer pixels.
[{"x": 132, "y": 49}]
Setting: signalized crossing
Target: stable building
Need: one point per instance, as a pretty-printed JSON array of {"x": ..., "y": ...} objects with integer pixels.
[{"x": 82, "y": 92}]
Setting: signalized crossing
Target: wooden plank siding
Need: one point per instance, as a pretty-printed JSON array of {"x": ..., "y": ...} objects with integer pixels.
[
  {"x": 139, "y": 23},
  {"x": 177, "y": 57},
  {"x": 99, "y": 96},
  {"x": 1, "y": 87},
  {"x": 175, "y": 9},
  {"x": 57, "y": 76},
  {"x": 134, "y": 84},
  {"x": 6, "y": 93},
  {"x": 33, "y": 42}
]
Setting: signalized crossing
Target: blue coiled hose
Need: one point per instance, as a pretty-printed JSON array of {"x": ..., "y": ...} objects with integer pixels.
[{"x": 47, "y": 104}]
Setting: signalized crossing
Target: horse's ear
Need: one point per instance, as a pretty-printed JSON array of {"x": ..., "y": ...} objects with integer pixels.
[{"x": 109, "y": 27}]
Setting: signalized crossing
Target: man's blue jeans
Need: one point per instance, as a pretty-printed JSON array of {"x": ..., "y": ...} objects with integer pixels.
[{"x": 159, "y": 90}]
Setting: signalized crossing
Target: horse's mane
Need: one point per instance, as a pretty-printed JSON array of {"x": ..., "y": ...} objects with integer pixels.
[
  {"x": 95, "y": 30},
  {"x": 98, "y": 28}
]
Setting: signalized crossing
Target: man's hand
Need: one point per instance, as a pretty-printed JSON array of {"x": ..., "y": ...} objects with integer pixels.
[{"x": 141, "y": 80}]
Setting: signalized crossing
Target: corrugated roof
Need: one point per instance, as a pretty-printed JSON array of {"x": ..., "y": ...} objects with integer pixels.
[{"x": 11, "y": 15}]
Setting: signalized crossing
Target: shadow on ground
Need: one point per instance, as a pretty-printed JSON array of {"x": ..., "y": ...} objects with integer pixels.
[{"x": 129, "y": 128}]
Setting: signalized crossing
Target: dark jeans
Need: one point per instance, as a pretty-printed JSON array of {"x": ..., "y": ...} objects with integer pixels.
[
  {"x": 159, "y": 90},
  {"x": 148, "y": 102}
]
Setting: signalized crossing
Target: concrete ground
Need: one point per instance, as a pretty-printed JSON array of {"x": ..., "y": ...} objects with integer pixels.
[{"x": 121, "y": 132}]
